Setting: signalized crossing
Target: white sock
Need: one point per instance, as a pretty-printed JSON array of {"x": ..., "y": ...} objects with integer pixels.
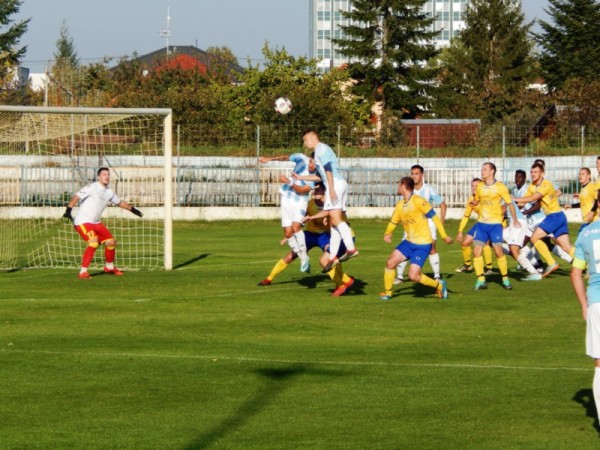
[
  {"x": 110, "y": 266},
  {"x": 83, "y": 270},
  {"x": 596, "y": 389},
  {"x": 400, "y": 269},
  {"x": 526, "y": 264},
  {"x": 301, "y": 242},
  {"x": 334, "y": 242},
  {"x": 434, "y": 260},
  {"x": 534, "y": 256},
  {"x": 346, "y": 235},
  {"x": 562, "y": 254},
  {"x": 293, "y": 243}
]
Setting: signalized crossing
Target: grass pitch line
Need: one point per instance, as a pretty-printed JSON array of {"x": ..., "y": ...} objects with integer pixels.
[{"x": 314, "y": 363}]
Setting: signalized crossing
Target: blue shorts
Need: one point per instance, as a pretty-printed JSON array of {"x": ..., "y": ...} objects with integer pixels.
[
  {"x": 313, "y": 240},
  {"x": 488, "y": 232},
  {"x": 417, "y": 253},
  {"x": 321, "y": 240},
  {"x": 555, "y": 223},
  {"x": 472, "y": 231}
]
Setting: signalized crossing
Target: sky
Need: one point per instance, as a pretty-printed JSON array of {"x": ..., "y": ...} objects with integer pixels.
[{"x": 117, "y": 28}]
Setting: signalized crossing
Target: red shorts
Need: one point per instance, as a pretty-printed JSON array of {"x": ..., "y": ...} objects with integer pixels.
[{"x": 92, "y": 230}]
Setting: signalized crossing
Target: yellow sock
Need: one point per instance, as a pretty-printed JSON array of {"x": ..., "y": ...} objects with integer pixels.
[
  {"x": 542, "y": 248},
  {"x": 277, "y": 269},
  {"x": 487, "y": 256},
  {"x": 336, "y": 274},
  {"x": 478, "y": 264},
  {"x": 427, "y": 281},
  {"x": 467, "y": 254},
  {"x": 388, "y": 280},
  {"x": 345, "y": 278},
  {"x": 503, "y": 266}
]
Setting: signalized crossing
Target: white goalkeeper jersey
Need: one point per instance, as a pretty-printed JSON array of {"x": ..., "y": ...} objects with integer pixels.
[{"x": 93, "y": 198}]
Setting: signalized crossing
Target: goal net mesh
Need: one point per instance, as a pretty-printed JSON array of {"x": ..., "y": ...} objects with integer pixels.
[{"x": 46, "y": 157}]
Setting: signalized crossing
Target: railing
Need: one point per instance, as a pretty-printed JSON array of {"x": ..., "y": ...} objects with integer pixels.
[{"x": 194, "y": 184}]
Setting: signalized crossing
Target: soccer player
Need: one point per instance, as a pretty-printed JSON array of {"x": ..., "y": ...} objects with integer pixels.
[
  {"x": 491, "y": 195},
  {"x": 413, "y": 212},
  {"x": 587, "y": 198},
  {"x": 429, "y": 193},
  {"x": 293, "y": 202},
  {"x": 517, "y": 238},
  {"x": 555, "y": 222},
  {"x": 92, "y": 200},
  {"x": 586, "y": 257},
  {"x": 336, "y": 193},
  {"x": 466, "y": 241},
  {"x": 317, "y": 235}
]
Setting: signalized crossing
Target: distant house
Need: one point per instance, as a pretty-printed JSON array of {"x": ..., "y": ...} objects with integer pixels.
[
  {"x": 188, "y": 57},
  {"x": 440, "y": 133}
]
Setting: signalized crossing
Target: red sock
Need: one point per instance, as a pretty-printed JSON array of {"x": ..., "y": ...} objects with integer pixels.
[
  {"x": 109, "y": 254},
  {"x": 88, "y": 255}
]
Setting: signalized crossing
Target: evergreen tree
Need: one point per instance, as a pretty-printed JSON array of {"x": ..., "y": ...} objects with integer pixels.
[
  {"x": 487, "y": 68},
  {"x": 388, "y": 43},
  {"x": 65, "y": 53},
  {"x": 569, "y": 46},
  {"x": 10, "y": 35}
]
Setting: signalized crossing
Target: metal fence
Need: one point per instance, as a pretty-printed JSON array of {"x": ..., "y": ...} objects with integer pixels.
[
  {"x": 415, "y": 141},
  {"x": 224, "y": 180}
]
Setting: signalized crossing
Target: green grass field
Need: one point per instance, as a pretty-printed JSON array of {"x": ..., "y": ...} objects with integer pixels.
[{"x": 200, "y": 357}]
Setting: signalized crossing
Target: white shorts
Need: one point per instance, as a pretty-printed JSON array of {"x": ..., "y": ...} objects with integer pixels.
[
  {"x": 341, "y": 190},
  {"x": 516, "y": 236},
  {"x": 292, "y": 211},
  {"x": 592, "y": 335},
  {"x": 533, "y": 222}
]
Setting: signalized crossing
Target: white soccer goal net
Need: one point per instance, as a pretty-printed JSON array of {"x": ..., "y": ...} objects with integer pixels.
[{"x": 48, "y": 154}]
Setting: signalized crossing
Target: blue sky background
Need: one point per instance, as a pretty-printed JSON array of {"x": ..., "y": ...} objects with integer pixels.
[{"x": 116, "y": 28}]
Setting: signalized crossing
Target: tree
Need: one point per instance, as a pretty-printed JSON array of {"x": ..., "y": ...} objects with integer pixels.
[
  {"x": 487, "y": 68},
  {"x": 389, "y": 43},
  {"x": 65, "y": 53},
  {"x": 569, "y": 46},
  {"x": 318, "y": 100},
  {"x": 10, "y": 36}
]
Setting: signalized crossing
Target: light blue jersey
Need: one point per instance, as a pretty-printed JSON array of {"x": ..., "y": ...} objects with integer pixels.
[
  {"x": 324, "y": 157},
  {"x": 587, "y": 248},
  {"x": 430, "y": 194},
  {"x": 301, "y": 168},
  {"x": 536, "y": 216}
]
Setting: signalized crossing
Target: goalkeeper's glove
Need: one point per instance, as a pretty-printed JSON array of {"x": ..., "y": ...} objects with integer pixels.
[
  {"x": 136, "y": 211},
  {"x": 67, "y": 217}
]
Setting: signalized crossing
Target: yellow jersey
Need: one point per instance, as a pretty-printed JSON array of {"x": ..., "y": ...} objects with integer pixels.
[
  {"x": 413, "y": 215},
  {"x": 469, "y": 209},
  {"x": 587, "y": 198},
  {"x": 490, "y": 200},
  {"x": 549, "y": 199},
  {"x": 317, "y": 226}
]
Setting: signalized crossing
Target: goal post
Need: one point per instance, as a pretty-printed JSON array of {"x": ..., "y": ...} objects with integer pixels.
[{"x": 48, "y": 153}]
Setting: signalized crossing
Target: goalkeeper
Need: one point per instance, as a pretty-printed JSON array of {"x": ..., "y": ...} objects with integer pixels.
[{"x": 92, "y": 200}]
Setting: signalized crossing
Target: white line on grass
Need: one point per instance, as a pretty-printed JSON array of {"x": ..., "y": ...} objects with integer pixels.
[{"x": 316, "y": 363}]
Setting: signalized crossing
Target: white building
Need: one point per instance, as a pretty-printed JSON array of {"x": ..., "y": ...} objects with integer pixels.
[{"x": 326, "y": 18}]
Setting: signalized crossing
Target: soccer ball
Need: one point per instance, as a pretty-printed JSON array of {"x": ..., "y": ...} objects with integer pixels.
[{"x": 283, "y": 105}]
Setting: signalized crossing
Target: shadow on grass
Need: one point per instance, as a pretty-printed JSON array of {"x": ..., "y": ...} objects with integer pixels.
[
  {"x": 275, "y": 381},
  {"x": 191, "y": 261},
  {"x": 585, "y": 397}
]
